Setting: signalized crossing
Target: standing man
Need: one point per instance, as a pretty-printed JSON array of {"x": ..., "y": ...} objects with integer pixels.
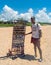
[{"x": 36, "y": 35}]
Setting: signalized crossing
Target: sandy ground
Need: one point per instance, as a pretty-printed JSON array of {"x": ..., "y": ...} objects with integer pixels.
[{"x": 6, "y": 42}]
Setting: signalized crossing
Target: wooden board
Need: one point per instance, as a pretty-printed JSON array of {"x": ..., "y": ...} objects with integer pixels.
[{"x": 18, "y": 38}]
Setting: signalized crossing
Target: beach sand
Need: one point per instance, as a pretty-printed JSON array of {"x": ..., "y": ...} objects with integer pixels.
[{"x": 6, "y": 43}]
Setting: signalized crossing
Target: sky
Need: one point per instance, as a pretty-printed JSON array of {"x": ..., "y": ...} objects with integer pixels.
[{"x": 14, "y": 9}]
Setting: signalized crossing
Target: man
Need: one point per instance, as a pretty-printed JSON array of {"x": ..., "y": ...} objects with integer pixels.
[{"x": 36, "y": 35}]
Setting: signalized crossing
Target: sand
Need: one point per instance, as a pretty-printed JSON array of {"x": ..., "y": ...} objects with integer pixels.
[{"x": 6, "y": 43}]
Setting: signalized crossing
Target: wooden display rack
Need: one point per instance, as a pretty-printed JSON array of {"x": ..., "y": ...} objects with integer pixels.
[{"x": 18, "y": 39}]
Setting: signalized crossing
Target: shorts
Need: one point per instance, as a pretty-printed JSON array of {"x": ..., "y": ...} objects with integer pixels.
[{"x": 34, "y": 40}]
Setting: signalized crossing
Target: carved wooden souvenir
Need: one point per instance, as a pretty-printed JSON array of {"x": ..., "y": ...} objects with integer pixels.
[{"x": 18, "y": 37}]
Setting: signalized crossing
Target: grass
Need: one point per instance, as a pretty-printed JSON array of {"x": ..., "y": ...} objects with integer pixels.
[
  {"x": 27, "y": 24},
  {"x": 6, "y": 25}
]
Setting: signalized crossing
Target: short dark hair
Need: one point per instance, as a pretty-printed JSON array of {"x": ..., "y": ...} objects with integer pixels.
[{"x": 33, "y": 17}]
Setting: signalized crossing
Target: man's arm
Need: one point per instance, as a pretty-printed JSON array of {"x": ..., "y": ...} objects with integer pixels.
[
  {"x": 40, "y": 33},
  {"x": 28, "y": 33}
]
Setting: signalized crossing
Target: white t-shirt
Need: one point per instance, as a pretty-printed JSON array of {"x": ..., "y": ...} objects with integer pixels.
[{"x": 35, "y": 30}]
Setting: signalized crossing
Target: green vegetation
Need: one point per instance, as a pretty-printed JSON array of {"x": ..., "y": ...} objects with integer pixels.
[
  {"x": 6, "y": 25},
  {"x": 11, "y": 24},
  {"x": 42, "y": 23},
  {"x": 29, "y": 23}
]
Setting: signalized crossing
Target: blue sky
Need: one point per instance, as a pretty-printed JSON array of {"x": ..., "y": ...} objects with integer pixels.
[
  {"x": 13, "y": 9},
  {"x": 24, "y": 5}
]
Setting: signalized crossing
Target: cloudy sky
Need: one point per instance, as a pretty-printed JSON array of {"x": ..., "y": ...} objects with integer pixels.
[{"x": 14, "y": 9}]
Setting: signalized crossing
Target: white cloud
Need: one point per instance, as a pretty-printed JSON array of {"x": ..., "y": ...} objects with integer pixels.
[
  {"x": 8, "y": 13},
  {"x": 49, "y": 14},
  {"x": 27, "y": 15},
  {"x": 41, "y": 16},
  {"x": 30, "y": 10},
  {"x": 44, "y": 9}
]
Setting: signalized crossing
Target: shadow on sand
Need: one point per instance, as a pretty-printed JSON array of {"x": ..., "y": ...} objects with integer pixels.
[
  {"x": 25, "y": 57},
  {"x": 3, "y": 57}
]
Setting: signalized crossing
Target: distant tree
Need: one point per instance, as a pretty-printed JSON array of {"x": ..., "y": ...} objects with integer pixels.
[{"x": 1, "y": 22}]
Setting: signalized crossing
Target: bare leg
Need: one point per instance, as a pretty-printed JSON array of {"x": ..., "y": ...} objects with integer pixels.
[
  {"x": 40, "y": 51},
  {"x": 35, "y": 50}
]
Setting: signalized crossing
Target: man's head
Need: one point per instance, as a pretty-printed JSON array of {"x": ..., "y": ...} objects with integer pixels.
[{"x": 33, "y": 20}]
